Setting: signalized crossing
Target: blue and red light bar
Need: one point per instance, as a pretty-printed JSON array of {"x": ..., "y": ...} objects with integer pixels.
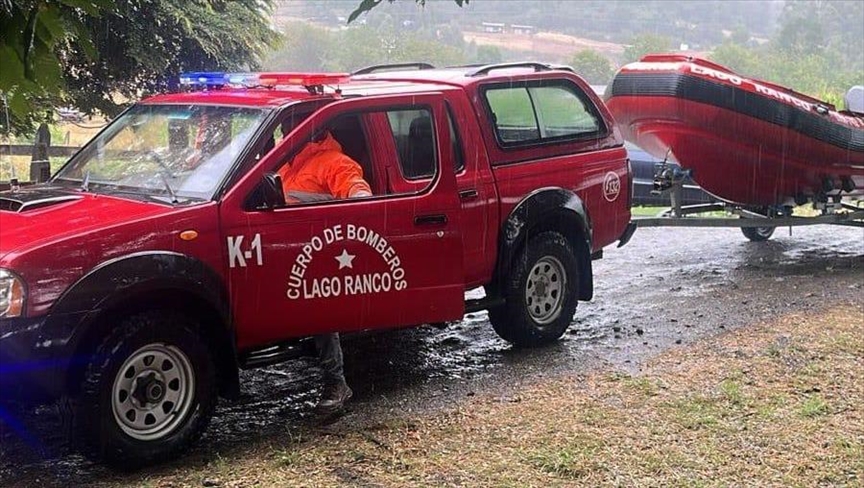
[
  {"x": 214, "y": 79},
  {"x": 204, "y": 79},
  {"x": 302, "y": 79}
]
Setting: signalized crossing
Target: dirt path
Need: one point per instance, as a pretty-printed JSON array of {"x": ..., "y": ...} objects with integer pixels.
[
  {"x": 548, "y": 45},
  {"x": 779, "y": 403},
  {"x": 664, "y": 291}
]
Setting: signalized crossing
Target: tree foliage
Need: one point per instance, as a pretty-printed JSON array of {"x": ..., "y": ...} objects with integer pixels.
[
  {"x": 489, "y": 55},
  {"x": 813, "y": 51},
  {"x": 646, "y": 44},
  {"x": 699, "y": 23},
  {"x": 593, "y": 66},
  {"x": 367, "y": 5},
  {"x": 307, "y": 47},
  {"x": 94, "y": 54}
]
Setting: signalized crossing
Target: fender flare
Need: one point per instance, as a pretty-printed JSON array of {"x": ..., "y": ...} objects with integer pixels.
[
  {"x": 122, "y": 284},
  {"x": 549, "y": 209}
]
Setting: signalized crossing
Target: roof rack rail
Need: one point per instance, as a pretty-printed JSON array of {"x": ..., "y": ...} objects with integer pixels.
[
  {"x": 484, "y": 70},
  {"x": 392, "y": 66},
  {"x": 469, "y": 65},
  {"x": 564, "y": 67}
]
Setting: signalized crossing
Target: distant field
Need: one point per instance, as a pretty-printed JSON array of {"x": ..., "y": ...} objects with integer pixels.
[
  {"x": 62, "y": 134},
  {"x": 546, "y": 45},
  {"x": 22, "y": 167}
]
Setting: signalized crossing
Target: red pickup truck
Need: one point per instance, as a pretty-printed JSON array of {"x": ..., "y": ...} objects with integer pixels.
[{"x": 162, "y": 257}]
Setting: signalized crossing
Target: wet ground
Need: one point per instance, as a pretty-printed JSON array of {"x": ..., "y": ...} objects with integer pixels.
[{"x": 667, "y": 287}]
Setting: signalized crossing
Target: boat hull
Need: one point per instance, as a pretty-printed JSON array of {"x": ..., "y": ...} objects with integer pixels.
[{"x": 746, "y": 142}]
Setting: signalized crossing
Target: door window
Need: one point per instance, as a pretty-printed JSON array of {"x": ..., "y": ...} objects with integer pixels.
[
  {"x": 415, "y": 142},
  {"x": 341, "y": 161}
]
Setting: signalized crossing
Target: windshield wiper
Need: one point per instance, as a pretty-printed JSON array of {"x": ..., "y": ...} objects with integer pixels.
[
  {"x": 168, "y": 187},
  {"x": 85, "y": 185}
]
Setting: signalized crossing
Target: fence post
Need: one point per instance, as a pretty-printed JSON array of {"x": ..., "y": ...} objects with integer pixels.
[{"x": 40, "y": 165}]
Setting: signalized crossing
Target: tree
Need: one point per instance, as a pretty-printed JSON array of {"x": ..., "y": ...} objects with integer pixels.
[
  {"x": 738, "y": 58},
  {"x": 801, "y": 36},
  {"x": 489, "y": 55},
  {"x": 304, "y": 47},
  {"x": 646, "y": 44},
  {"x": 94, "y": 53},
  {"x": 30, "y": 34},
  {"x": 316, "y": 49},
  {"x": 592, "y": 66},
  {"x": 367, "y": 5}
]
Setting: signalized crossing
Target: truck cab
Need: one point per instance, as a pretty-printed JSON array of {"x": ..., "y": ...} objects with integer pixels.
[{"x": 166, "y": 254}]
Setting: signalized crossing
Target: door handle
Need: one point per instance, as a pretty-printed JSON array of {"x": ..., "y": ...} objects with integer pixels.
[
  {"x": 469, "y": 194},
  {"x": 435, "y": 219}
]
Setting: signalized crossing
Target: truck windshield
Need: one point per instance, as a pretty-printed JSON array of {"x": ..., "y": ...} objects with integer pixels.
[{"x": 169, "y": 152}]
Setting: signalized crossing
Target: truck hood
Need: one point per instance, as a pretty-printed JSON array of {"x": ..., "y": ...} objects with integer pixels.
[{"x": 40, "y": 215}]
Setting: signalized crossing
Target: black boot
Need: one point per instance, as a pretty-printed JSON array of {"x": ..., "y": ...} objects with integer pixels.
[{"x": 333, "y": 397}]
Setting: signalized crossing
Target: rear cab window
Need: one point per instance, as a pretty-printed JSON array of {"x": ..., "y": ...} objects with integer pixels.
[{"x": 541, "y": 112}]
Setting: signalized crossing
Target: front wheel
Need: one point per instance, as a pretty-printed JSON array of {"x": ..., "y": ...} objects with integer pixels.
[
  {"x": 757, "y": 234},
  {"x": 540, "y": 293},
  {"x": 148, "y": 392}
]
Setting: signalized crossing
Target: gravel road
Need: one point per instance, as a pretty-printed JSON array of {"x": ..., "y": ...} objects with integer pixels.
[{"x": 667, "y": 287}]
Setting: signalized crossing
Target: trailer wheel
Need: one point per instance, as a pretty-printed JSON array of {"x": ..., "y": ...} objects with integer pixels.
[
  {"x": 148, "y": 392},
  {"x": 540, "y": 293},
  {"x": 757, "y": 234}
]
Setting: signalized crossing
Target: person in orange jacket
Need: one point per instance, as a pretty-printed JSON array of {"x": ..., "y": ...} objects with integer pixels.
[{"x": 321, "y": 171}]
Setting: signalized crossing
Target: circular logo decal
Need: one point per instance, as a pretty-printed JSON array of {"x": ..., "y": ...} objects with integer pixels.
[{"x": 611, "y": 186}]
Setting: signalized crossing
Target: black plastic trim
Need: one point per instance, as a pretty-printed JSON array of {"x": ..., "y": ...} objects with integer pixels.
[
  {"x": 115, "y": 286},
  {"x": 537, "y": 209}
]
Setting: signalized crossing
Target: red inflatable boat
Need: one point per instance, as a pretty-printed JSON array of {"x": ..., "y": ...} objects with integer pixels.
[{"x": 748, "y": 142}]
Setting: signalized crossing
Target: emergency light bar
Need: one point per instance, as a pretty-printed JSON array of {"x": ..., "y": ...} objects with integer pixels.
[
  {"x": 204, "y": 79},
  {"x": 311, "y": 81},
  {"x": 302, "y": 79},
  {"x": 244, "y": 79}
]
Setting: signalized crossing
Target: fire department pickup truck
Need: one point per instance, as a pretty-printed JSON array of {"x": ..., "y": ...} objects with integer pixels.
[{"x": 162, "y": 257}]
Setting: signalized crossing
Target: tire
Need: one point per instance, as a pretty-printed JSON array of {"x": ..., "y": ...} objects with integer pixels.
[
  {"x": 148, "y": 392},
  {"x": 757, "y": 234},
  {"x": 536, "y": 310}
]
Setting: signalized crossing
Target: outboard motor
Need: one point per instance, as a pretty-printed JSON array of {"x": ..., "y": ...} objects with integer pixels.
[
  {"x": 854, "y": 100},
  {"x": 668, "y": 176}
]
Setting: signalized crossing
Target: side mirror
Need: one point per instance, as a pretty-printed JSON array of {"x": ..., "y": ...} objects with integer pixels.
[{"x": 271, "y": 191}]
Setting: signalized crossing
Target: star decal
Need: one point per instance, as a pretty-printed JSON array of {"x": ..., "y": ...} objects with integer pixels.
[{"x": 345, "y": 259}]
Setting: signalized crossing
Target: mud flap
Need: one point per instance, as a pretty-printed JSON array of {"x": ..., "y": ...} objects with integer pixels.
[{"x": 628, "y": 233}]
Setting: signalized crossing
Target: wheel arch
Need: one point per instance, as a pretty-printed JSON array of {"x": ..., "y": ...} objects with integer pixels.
[
  {"x": 548, "y": 209},
  {"x": 131, "y": 284}
]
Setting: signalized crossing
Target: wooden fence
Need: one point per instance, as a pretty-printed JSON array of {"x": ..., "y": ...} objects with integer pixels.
[{"x": 27, "y": 150}]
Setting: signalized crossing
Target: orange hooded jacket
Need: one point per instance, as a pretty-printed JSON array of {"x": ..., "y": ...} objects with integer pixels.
[{"x": 321, "y": 171}]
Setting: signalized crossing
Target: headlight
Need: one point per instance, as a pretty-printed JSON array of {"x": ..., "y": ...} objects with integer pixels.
[{"x": 11, "y": 294}]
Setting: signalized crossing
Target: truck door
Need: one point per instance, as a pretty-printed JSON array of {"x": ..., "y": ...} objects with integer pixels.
[
  {"x": 390, "y": 260},
  {"x": 474, "y": 182}
]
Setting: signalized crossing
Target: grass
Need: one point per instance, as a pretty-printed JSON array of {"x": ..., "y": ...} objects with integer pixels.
[
  {"x": 62, "y": 134},
  {"x": 775, "y": 404},
  {"x": 814, "y": 406}
]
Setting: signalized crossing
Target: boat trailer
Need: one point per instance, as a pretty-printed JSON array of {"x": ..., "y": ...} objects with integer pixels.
[{"x": 755, "y": 224}]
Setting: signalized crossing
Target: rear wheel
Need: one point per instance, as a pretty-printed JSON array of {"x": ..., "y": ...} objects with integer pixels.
[
  {"x": 757, "y": 234},
  {"x": 540, "y": 293},
  {"x": 148, "y": 392}
]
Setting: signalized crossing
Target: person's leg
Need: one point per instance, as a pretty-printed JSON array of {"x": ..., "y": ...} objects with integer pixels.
[{"x": 336, "y": 391}]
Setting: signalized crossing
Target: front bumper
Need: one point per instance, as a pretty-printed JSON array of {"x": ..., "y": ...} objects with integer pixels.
[{"x": 31, "y": 367}]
